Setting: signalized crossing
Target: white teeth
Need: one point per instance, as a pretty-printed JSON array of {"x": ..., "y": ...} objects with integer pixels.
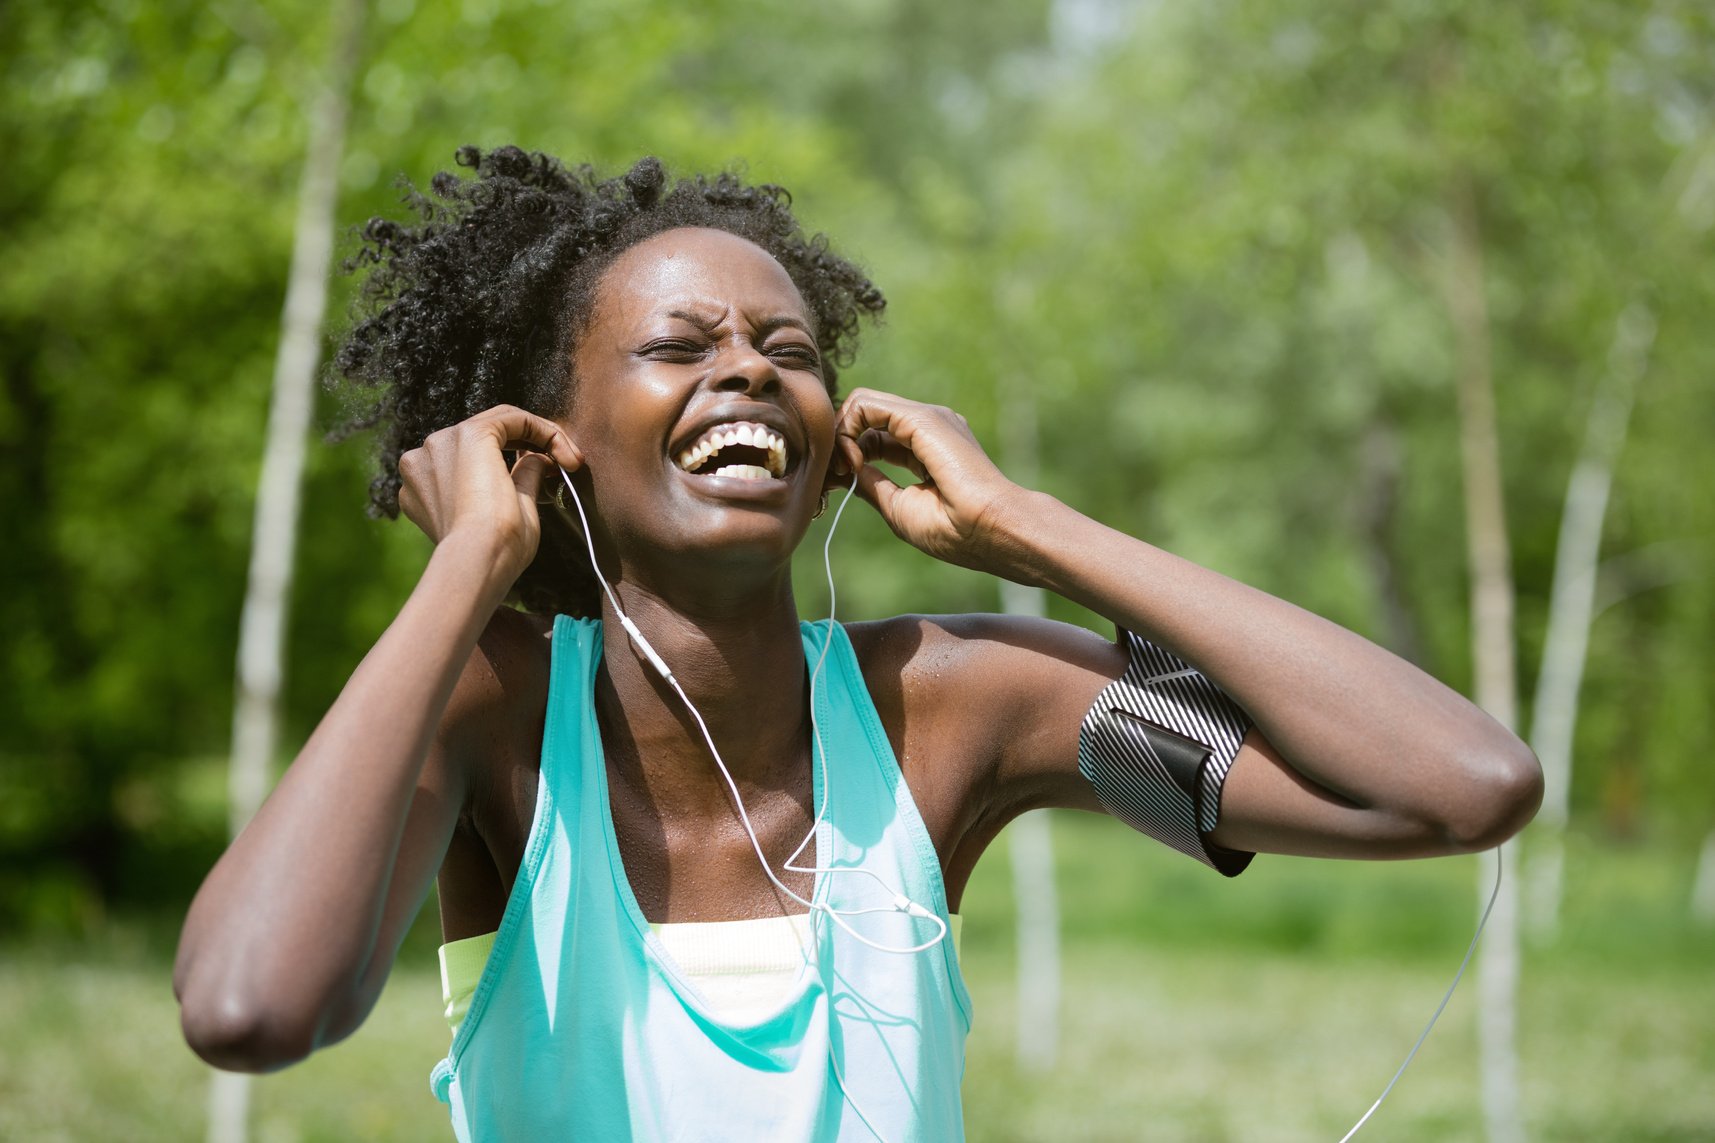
[
  {"x": 744, "y": 433},
  {"x": 743, "y": 472}
]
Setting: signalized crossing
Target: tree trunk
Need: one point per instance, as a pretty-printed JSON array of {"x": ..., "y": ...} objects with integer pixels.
[
  {"x": 1572, "y": 608},
  {"x": 262, "y": 625},
  {"x": 1492, "y": 649},
  {"x": 1703, "y": 885},
  {"x": 1378, "y": 501},
  {"x": 1030, "y": 844}
]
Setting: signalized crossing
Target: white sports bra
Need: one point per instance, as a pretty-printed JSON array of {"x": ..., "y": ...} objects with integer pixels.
[{"x": 743, "y": 968}]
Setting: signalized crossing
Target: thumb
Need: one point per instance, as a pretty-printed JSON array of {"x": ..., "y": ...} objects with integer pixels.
[
  {"x": 874, "y": 486},
  {"x": 527, "y": 474}
]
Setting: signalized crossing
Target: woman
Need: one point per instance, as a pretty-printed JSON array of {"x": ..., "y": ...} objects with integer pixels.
[{"x": 617, "y": 815}]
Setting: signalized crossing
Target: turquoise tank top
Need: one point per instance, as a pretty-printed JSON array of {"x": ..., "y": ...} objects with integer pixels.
[{"x": 582, "y": 1027}]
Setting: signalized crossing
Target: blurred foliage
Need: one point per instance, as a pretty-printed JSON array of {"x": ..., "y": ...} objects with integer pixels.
[{"x": 1198, "y": 244}]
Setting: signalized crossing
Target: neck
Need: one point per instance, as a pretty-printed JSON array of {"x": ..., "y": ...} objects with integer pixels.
[{"x": 741, "y": 663}]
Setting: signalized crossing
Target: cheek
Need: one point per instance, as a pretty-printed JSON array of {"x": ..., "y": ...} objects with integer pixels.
[
  {"x": 820, "y": 412},
  {"x": 623, "y": 419}
]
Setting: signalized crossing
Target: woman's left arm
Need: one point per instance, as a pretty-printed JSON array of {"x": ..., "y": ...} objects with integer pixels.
[{"x": 1355, "y": 752}]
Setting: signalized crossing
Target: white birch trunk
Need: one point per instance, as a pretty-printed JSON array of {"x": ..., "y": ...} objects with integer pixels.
[
  {"x": 1703, "y": 885},
  {"x": 1030, "y": 844},
  {"x": 1492, "y": 654},
  {"x": 262, "y": 624},
  {"x": 1572, "y": 607}
]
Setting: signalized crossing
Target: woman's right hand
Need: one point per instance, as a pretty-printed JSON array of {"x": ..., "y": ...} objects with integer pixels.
[{"x": 457, "y": 486}]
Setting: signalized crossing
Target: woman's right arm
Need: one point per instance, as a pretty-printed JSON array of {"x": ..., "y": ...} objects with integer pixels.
[{"x": 290, "y": 938}]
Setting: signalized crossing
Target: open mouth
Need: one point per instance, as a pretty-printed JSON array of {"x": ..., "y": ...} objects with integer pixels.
[{"x": 741, "y": 449}]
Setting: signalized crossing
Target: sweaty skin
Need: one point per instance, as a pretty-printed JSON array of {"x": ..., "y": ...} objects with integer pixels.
[{"x": 426, "y": 764}]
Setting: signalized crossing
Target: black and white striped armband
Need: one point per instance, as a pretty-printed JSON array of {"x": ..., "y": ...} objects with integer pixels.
[{"x": 1157, "y": 745}]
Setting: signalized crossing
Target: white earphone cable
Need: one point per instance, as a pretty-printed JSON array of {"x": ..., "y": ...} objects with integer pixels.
[
  {"x": 900, "y": 902},
  {"x": 1439, "y": 1008}
]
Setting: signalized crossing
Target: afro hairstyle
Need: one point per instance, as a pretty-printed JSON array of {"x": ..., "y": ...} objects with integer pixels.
[{"x": 481, "y": 299}]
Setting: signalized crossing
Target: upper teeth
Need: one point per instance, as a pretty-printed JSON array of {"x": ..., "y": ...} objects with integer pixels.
[{"x": 736, "y": 433}]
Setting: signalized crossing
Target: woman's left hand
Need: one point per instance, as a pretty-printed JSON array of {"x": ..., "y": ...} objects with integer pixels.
[{"x": 960, "y": 510}]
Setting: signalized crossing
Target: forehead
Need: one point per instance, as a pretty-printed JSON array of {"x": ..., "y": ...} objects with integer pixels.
[{"x": 699, "y": 269}]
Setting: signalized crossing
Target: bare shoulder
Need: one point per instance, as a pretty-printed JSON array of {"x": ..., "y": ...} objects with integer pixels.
[
  {"x": 505, "y": 678},
  {"x": 933, "y": 660},
  {"x": 982, "y": 711}
]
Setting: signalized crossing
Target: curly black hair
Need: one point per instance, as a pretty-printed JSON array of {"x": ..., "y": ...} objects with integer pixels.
[{"x": 481, "y": 301}]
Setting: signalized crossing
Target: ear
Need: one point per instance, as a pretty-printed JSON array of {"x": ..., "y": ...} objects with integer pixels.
[
  {"x": 566, "y": 453},
  {"x": 565, "y": 457},
  {"x": 834, "y": 481},
  {"x": 839, "y": 474},
  {"x": 577, "y": 455}
]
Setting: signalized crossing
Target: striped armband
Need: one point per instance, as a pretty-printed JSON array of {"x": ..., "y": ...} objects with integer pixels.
[{"x": 1157, "y": 745}]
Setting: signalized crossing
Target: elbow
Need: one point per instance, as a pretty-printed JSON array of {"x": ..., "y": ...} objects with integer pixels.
[
  {"x": 1503, "y": 791},
  {"x": 235, "y": 1034},
  {"x": 240, "y": 1016}
]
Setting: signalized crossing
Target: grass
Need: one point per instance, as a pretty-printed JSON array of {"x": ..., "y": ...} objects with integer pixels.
[{"x": 1271, "y": 1008}]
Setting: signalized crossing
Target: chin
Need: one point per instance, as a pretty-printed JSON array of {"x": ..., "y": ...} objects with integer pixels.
[{"x": 726, "y": 535}]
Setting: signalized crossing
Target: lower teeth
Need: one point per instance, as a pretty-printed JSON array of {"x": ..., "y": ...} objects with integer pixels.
[{"x": 743, "y": 471}]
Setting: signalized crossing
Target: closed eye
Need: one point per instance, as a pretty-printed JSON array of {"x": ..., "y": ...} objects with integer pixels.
[
  {"x": 674, "y": 349},
  {"x": 796, "y": 352}
]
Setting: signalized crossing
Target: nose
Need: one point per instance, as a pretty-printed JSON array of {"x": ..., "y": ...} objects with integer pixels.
[{"x": 745, "y": 369}]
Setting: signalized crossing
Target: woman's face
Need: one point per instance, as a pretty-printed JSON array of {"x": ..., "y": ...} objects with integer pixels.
[{"x": 700, "y": 408}]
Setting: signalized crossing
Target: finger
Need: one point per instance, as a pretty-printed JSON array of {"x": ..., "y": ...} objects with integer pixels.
[
  {"x": 848, "y": 456},
  {"x": 912, "y": 435},
  {"x": 409, "y": 506},
  {"x": 551, "y": 467},
  {"x": 529, "y": 472},
  {"x": 518, "y": 445},
  {"x": 562, "y": 452},
  {"x": 516, "y": 428},
  {"x": 874, "y": 486},
  {"x": 839, "y": 472},
  {"x": 873, "y": 409},
  {"x": 874, "y": 442},
  {"x": 880, "y": 445}
]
